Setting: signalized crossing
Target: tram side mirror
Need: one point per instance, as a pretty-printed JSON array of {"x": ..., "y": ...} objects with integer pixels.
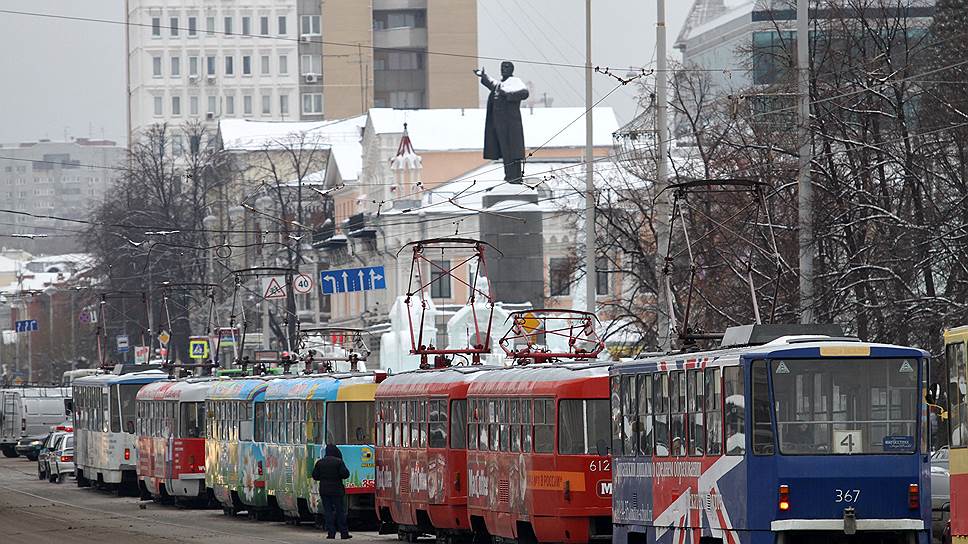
[
  {"x": 245, "y": 431},
  {"x": 601, "y": 447}
]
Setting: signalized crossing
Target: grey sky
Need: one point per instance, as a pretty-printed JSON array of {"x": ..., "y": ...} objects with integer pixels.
[{"x": 67, "y": 77}]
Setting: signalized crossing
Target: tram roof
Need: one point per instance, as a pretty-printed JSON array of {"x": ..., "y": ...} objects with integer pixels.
[
  {"x": 336, "y": 386},
  {"x": 431, "y": 380},
  {"x": 237, "y": 389},
  {"x": 146, "y": 376},
  {"x": 544, "y": 378},
  {"x": 191, "y": 390},
  {"x": 793, "y": 347}
]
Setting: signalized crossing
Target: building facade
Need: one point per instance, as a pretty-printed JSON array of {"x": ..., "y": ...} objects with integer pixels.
[
  {"x": 295, "y": 59},
  {"x": 54, "y": 178}
]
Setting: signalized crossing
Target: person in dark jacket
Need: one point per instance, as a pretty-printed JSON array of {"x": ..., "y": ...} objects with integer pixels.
[{"x": 330, "y": 471}]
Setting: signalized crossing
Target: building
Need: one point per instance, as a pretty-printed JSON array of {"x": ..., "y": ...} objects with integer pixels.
[
  {"x": 54, "y": 178},
  {"x": 296, "y": 59},
  {"x": 716, "y": 37}
]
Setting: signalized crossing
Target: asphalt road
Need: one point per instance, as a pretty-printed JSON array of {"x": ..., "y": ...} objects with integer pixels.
[{"x": 35, "y": 511}]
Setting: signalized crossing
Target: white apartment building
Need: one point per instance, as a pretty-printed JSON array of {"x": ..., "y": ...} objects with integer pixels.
[{"x": 197, "y": 60}]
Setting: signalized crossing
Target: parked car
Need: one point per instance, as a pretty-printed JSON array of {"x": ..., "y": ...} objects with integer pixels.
[
  {"x": 29, "y": 446},
  {"x": 30, "y": 412},
  {"x": 60, "y": 462},
  {"x": 44, "y": 452}
]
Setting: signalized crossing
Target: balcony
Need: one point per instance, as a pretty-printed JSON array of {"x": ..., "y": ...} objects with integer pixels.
[
  {"x": 381, "y": 5},
  {"x": 399, "y": 80},
  {"x": 356, "y": 227},
  {"x": 400, "y": 38},
  {"x": 325, "y": 237}
]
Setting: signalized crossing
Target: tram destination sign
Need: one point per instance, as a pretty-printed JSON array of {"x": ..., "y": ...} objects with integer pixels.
[{"x": 351, "y": 280}]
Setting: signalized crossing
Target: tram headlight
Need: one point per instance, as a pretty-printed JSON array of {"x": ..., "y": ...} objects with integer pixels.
[{"x": 784, "y": 498}]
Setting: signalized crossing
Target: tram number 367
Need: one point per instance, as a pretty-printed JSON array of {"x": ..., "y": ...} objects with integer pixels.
[
  {"x": 600, "y": 465},
  {"x": 846, "y": 495}
]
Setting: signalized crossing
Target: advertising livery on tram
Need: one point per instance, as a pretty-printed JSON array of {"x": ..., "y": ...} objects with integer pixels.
[{"x": 799, "y": 439}]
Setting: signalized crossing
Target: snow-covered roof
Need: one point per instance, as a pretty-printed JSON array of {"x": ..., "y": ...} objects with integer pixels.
[
  {"x": 248, "y": 135},
  {"x": 8, "y": 265},
  {"x": 34, "y": 281},
  {"x": 349, "y": 160},
  {"x": 457, "y": 129}
]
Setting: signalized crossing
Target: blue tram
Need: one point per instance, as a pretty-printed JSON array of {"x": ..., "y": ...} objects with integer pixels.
[{"x": 800, "y": 439}]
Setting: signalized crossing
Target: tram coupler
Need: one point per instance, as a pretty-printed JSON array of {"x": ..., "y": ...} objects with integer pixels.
[{"x": 850, "y": 521}]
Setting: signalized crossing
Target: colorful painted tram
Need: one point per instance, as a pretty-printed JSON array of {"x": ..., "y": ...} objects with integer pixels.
[
  {"x": 105, "y": 426},
  {"x": 801, "y": 439},
  {"x": 171, "y": 439}
]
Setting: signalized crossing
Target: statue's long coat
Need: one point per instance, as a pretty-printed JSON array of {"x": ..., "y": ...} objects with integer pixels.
[{"x": 503, "y": 133}]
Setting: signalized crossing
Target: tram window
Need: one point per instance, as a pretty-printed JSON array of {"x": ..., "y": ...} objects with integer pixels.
[
  {"x": 630, "y": 430},
  {"x": 527, "y": 431},
  {"x": 472, "y": 424},
  {"x": 660, "y": 405},
  {"x": 677, "y": 420},
  {"x": 696, "y": 389},
  {"x": 582, "y": 425},
  {"x": 762, "y": 430},
  {"x": 544, "y": 425},
  {"x": 438, "y": 423},
  {"x": 714, "y": 414},
  {"x": 734, "y": 411},
  {"x": 957, "y": 394},
  {"x": 502, "y": 416},
  {"x": 492, "y": 425},
  {"x": 115, "y": 411},
  {"x": 458, "y": 423},
  {"x": 422, "y": 422},
  {"x": 192, "y": 416},
  {"x": 644, "y": 410},
  {"x": 259, "y": 425},
  {"x": 615, "y": 400},
  {"x": 514, "y": 415}
]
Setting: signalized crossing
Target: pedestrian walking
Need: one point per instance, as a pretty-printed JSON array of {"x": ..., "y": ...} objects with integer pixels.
[{"x": 330, "y": 471}]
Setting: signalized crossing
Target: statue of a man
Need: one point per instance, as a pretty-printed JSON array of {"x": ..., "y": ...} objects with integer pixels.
[{"x": 503, "y": 133}]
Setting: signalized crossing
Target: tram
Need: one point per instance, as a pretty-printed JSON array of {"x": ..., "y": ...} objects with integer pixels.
[
  {"x": 537, "y": 453},
  {"x": 235, "y": 459},
  {"x": 302, "y": 416},
  {"x": 805, "y": 438},
  {"x": 956, "y": 362},
  {"x": 105, "y": 425},
  {"x": 171, "y": 439},
  {"x": 421, "y": 462}
]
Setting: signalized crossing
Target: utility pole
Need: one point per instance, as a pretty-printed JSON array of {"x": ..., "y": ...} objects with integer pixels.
[
  {"x": 664, "y": 307},
  {"x": 590, "y": 274},
  {"x": 805, "y": 189}
]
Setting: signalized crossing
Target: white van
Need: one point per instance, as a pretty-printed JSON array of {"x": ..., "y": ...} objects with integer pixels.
[{"x": 30, "y": 411}]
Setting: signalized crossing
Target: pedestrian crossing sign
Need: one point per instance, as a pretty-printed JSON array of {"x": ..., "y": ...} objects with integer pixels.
[{"x": 198, "y": 349}]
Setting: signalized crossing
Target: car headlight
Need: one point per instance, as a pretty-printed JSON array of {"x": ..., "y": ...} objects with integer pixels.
[{"x": 35, "y": 443}]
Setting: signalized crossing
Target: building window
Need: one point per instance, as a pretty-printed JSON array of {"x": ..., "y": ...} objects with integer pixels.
[
  {"x": 264, "y": 65},
  {"x": 440, "y": 279},
  {"x": 228, "y": 26},
  {"x": 212, "y": 109},
  {"x": 247, "y": 26},
  {"x": 406, "y": 99},
  {"x": 210, "y": 65},
  {"x": 247, "y": 105},
  {"x": 210, "y": 26},
  {"x": 229, "y": 65},
  {"x": 264, "y": 26},
  {"x": 284, "y": 104},
  {"x": 312, "y": 103},
  {"x": 399, "y": 19},
  {"x": 192, "y": 26},
  {"x": 559, "y": 280},
  {"x": 173, "y": 26},
  {"x": 312, "y": 64},
  {"x": 176, "y": 105},
  {"x": 282, "y": 25},
  {"x": 229, "y": 105},
  {"x": 283, "y": 65},
  {"x": 175, "y": 66},
  {"x": 158, "y": 105},
  {"x": 193, "y": 66},
  {"x": 310, "y": 25},
  {"x": 246, "y": 65},
  {"x": 193, "y": 105},
  {"x": 601, "y": 276},
  {"x": 266, "y": 104},
  {"x": 156, "y": 27},
  {"x": 156, "y": 66}
]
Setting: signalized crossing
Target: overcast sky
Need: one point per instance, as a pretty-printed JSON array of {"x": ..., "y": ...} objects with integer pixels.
[{"x": 67, "y": 77}]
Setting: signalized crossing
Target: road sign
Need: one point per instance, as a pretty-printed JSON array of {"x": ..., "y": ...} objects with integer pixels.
[
  {"x": 530, "y": 323},
  {"x": 27, "y": 325},
  {"x": 141, "y": 355},
  {"x": 302, "y": 284},
  {"x": 123, "y": 344},
  {"x": 87, "y": 316},
  {"x": 273, "y": 287},
  {"x": 351, "y": 280},
  {"x": 164, "y": 337},
  {"x": 198, "y": 348}
]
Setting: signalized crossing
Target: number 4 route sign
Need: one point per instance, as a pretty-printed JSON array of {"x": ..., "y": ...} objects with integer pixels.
[{"x": 351, "y": 280}]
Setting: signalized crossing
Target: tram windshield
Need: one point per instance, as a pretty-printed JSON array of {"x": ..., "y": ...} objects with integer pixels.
[
  {"x": 582, "y": 426},
  {"x": 830, "y": 407},
  {"x": 349, "y": 422}
]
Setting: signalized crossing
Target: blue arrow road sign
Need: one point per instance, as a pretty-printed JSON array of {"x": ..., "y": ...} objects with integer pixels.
[
  {"x": 351, "y": 280},
  {"x": 27, "y": 325}
]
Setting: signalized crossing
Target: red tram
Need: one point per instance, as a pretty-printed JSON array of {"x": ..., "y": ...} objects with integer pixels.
[
  {"x": 421, "y": 460},
  {"x": 171, "y": 439},
  {"x": 537, "y": 453}
]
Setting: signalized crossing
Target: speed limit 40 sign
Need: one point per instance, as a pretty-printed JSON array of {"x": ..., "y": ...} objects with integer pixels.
[{"x": 302, "y": 284}]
